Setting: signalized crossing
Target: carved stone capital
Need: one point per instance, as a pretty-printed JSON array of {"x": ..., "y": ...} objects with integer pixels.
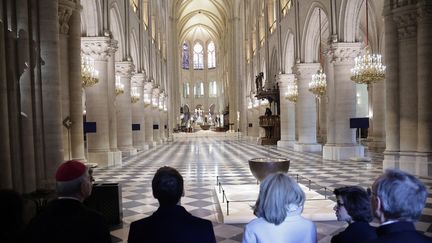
[
  {"x": 148, "y": 87},
  {"x": 406, "y": 23},
  {"x": 305, "y": 70},
  {"x": 155, "y": 92},
  {"x": 425, "y": 11},
  {"x": 124, "y": 69},
  {"x": 65, "y": 10},
  {"x": 284, "y": 79},
  {"x": 138, "y": 79},
  {"x": 113, "y": 47},
  {"x": 97, "y": 48},
  {"x": 344, "y": 53}
]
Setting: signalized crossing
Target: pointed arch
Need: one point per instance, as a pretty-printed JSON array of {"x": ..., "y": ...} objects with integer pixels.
[
  {"x": 91, "y": 18},
  {"x": 116, "y": 27},
  {"x": 288, "y": 58}
]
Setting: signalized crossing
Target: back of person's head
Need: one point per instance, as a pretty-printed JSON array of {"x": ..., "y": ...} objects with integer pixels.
[
  {"x": 167, "y": 186},
  {"x": 279, "y": 194},
  {"x": 402, "y": 196},
  {"x": 356, "y": 202},
  {"x": 12, "y": 206},
  {"x": 73, "y": 180}
]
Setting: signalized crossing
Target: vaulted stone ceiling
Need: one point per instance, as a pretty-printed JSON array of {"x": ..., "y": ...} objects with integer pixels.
[{"x": 201, "y": 19}]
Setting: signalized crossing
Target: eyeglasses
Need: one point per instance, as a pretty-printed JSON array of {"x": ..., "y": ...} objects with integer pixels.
[{"x": 339, "y": 204}]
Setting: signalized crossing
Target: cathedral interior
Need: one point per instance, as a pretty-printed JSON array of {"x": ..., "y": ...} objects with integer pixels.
[{"x": 339, "y": 87}]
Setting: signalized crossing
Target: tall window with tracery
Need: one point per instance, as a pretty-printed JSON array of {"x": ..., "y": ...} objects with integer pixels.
[
  {"x": 211, "y": 55},
  {"x": 199, "y": 89},
  {"x": 185, "y": 90},
  {"x": 212, "y": 89},
  {"x": 198, "y": 56},
  {"x": 185, "y": 56}
]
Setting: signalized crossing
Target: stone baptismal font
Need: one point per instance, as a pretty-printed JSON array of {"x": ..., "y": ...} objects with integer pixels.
[{"x": 262, "y": 167}]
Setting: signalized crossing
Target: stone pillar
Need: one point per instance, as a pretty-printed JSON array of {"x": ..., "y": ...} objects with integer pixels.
[
  {"x": 51, "y": 96},
  {"x": 75, "y": 86},
  {"x": 112, "y": 109},
  {"x": 392, "y": 122},
  {"x": 287, "y": 109},
  {"x": 424, "y": 87},
  {"x": 138, "y": 136},
  {"x": 148, "y": 114},
  {"x": 124, "y": 109},
  {"x": 155, "y": 114},
  {"x": 377, "y": 94},
  {"x": 98, "y": 102},
  {"x": 307, "y": 110},
  {"x": 65, "y": 9},
  {"x": 342, "y": 97},
  {"x": 5, "y": 156}
]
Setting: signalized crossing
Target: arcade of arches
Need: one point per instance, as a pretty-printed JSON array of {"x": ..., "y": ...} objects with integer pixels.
[{"x": 184, "y": 63}]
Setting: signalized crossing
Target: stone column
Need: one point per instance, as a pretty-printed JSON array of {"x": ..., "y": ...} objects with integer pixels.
[
  {"x": 138, "y": 136},
  {"x": 307, "y": 110},
  {"x": 424, "y": 42},
  {"x": 287, "y": 109},
  {"x": 65, "y": 9},
  {"x": 148, "y": 114},
  {"x": 98, "y": 102},
  {"x": 392, "y": 122},
  {"x": 155, "y": 114},
  {"x": 75, "y": 86},
  {"x": 51, "y": 96},
  {"x": 377, "y": 94},
  {"x": 124, "y": 109},
  {"x": 342, "y": 145},
  {"x": 5, "y": 156},
  {"x": 112, "y": 109}
]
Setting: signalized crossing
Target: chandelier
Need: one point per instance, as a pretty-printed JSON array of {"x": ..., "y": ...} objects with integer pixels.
[
  {"x": 88, "y": 73},
  {"x": 292, "y": 93},
  {"x": 368, "y": 68},
  {"x": 318, "y": 84},
  {"x": 135, "y": 96},
  {"x": 119, "y": 87}
]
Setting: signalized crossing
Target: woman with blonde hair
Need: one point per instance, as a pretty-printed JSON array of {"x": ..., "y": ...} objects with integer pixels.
[{"x": 278, "y": 210}]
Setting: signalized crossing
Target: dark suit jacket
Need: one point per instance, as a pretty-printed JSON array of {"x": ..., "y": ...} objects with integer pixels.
[
  {"x": 171, "y": 224},
  {"x": 68, "y": 221},
  {"x": 355, "y": 232},
  {"x": 400, "y": 232}
]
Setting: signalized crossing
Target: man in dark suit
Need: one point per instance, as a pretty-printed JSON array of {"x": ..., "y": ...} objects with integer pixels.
[
  {"x": 353, "y": 206},
  {"x": 171, "y": 223},
  {"x": 398, "y": 199},
  {"x": 66, "y": 220}
]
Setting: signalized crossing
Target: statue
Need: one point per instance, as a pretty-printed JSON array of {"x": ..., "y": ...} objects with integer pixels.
[
  {"x": 268, "y": 112},
  {"x": 258, "y": 81}
]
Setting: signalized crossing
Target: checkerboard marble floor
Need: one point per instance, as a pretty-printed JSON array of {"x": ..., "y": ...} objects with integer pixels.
[{"x": 201, "y": 160}]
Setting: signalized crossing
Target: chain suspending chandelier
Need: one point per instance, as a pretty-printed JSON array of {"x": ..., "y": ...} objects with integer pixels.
[
  {"x": 88, "y": 72},
  {"x": 318, "y": 84},
  {"x": 368, "y": 68}
]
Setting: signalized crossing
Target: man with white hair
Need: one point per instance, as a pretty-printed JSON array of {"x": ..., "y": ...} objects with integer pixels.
[
  {"x": 398, "y": 199},
  {"x": 66, "y": 219}
]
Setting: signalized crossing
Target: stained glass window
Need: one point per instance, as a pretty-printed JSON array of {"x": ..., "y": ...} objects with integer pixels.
[
  {"x": 211, "y": 52},
  {"x": 198, "y": 56},
  {"x": 185, "y": 56}
]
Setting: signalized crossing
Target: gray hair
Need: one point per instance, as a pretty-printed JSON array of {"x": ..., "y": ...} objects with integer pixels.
[
  {"x": 278, "y": 193},
  {"x": 402, "y": 196},
  {"x": 72, "y": 187}
]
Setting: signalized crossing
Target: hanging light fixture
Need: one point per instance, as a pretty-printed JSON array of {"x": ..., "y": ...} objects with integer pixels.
[
  {"x": 135, "y": 96},
  {"x": 368, "y": 68},
  {"x": 292, "y": 92},
  {"x": 119, "y": 87},
  {"x": 318, "y": 84},
  {"x": 88, "y": 73}
]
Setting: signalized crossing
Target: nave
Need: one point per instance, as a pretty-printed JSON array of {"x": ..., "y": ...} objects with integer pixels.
[{"x": 200, "y": 160}]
